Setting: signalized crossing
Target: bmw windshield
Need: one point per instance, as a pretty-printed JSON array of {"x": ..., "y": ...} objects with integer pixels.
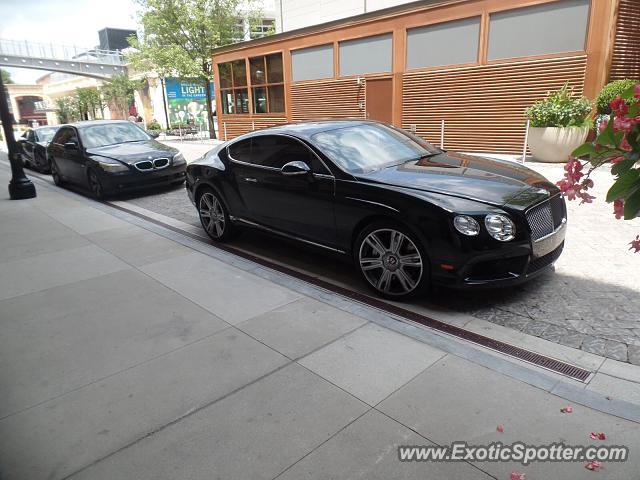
[{"x": 112, "y": 133}]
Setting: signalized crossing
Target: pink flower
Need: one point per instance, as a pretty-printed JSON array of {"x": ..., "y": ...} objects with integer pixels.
[
  {"x": 618, "y": 208},
  {"x": 637, "y": 91},
  {"x": 624, "y": 145},
  {"x": 623, "y": 124},
  {"x": 598, "y": 436},
  {"x": 635, "y": 244},
  {"x": 619, "y": 106},
  {"x": 603, "y": 125}
]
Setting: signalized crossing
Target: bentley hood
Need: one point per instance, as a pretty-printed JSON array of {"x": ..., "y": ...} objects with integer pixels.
[{"x": 496, "y": 182}]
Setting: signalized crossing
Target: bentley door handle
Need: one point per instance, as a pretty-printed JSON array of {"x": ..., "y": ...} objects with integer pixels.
[{"x": 249, "y": 179}]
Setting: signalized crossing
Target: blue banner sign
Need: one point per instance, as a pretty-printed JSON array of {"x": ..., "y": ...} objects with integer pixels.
[{"x": 186, "y": 88}]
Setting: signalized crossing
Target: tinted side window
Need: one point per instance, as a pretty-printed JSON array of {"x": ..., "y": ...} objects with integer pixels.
[
  {"x": 275, "y": 151},
  {"x": 62, "y": 136},
  {"x": 31, "y": 137},
  {"x": 241, "y": 151}
]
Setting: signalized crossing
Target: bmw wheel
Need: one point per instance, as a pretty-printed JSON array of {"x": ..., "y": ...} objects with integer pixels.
[
  {"x": 95, "y": 185},
  {"x": 391, "y": 260},
  {"x": 57, "y": 179},
  {"x": 213, "y": 216}
]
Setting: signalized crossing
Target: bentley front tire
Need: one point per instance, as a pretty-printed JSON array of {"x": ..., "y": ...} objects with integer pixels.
[{"x": 391, "y": 260}]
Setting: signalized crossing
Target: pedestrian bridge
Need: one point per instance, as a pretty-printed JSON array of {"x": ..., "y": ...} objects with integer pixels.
[{"x": 89, "y": 62}]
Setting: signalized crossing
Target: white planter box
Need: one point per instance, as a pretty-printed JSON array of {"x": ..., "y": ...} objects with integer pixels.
[{"x": 555, "y": 144}]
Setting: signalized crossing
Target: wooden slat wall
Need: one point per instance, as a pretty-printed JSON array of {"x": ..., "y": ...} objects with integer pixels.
[
  {"x": 625, "y": 61},
  {"x": 483, "y": 107},
  {"x": 238, "y": 126},
  {"x": 326, "y": 99}
]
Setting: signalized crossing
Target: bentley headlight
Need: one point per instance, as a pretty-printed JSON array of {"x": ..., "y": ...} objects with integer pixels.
[
  {"x": 466, "y": 225},
  {"x": 113, "y": 167},
  {"x": 500, "y": 227},
  {"x": 178, "y": 159}
]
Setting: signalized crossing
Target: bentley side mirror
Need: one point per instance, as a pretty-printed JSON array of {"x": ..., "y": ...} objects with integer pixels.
[
  {"x": 295, "y": 168},
  {"x": 71, "y": 146}
]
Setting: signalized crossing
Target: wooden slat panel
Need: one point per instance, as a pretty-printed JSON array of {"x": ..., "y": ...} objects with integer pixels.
[
  {"x": 625, "y": 60},
  {"x": 236, "y": 126},
  {"x": 483, "y": 107},
  {"x": 326, "y": 99}
]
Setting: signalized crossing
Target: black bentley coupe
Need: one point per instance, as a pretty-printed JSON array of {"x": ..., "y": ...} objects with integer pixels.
[
  {"x": 111, "y": 156},
  {"x": 406, "y": 212},
  {"x": 33, "y": 145}
]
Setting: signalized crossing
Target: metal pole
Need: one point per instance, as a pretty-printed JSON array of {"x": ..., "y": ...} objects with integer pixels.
[
  {"x": 19, "y": 186},
  {"x": 442, "y": 134},
  {"x": 224, "y": 126},
  {"x": 526, "y": 140},
  {"x": 164, "y": 102}
]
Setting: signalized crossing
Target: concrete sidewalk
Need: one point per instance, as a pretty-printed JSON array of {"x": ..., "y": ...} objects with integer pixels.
[{"x": 127, "y": 352}]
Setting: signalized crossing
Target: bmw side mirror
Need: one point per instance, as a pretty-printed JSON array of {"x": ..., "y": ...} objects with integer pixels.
[
  {"x": 295, "y": 168},
  {"x": 71, "y": 146}
]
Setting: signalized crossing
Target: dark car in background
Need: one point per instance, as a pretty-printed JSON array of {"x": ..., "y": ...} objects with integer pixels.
[
  {"x": 33, "y": 145},
  {"x": 406, "y": 212},
  {"x": 112, "y": 156}
]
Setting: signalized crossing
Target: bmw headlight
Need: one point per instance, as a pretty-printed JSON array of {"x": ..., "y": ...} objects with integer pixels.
[
  {"x": 178, "y": 159},
  {"x": 113, "y": 167},
  {"x": 466, "y": 225},
  {"x": 500, "y": 227}
]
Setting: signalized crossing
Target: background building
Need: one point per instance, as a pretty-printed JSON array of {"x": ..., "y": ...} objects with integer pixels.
[{"x": 474, "y": 64}]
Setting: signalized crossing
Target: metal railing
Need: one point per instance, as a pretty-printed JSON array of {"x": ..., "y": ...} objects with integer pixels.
[{"x": 25, "y": 48}]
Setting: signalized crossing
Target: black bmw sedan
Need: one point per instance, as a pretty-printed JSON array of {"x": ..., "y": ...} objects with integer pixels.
[
  {"x": 33, "y": 144},
  {"x": 111, "y": 156},
  {"x": 406, "y": 212}
]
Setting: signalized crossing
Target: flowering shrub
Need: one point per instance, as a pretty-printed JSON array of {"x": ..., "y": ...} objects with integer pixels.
[
  {"x": 612, "y": 90},
  {"x": 560, "y": 109},
  {"x": 617, "y": 144}
]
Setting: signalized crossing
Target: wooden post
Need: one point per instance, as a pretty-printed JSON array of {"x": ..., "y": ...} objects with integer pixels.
[{"x": 442, "y": 134}]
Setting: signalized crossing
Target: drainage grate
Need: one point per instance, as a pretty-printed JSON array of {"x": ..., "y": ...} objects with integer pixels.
[{"x": 528, "y": 356}]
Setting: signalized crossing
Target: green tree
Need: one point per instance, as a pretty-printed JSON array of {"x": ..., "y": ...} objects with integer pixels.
[
  {"x": 179, "y": 36},
  {"x": 118, "y": 92},
  {"x": 6, "y": 77},
  {"x": 67, "y": 109},
  {"x": 89, "y": 101}
]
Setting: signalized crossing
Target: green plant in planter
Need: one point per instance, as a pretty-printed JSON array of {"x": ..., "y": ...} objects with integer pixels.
[
  {"x": 154, "y": 125},
  {"x": 560, "y": 109},
  {"x": 612, "y": 90}
]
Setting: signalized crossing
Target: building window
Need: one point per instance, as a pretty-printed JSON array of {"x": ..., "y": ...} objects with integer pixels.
[
  {"x": 539, "y": 30},
  {"x": 233, "y": 87},
  {"x": 267, "y": 83},
  {"x": 264, "y": 28},
  {"x": 312, "y": 63},
  {"x": 449, "y": 43},
  {"x": 366, "y": 55}
]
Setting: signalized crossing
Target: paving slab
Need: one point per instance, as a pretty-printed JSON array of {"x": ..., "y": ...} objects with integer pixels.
[
  {"x": 368, "y": 449},
  {"x": 371, "y": 362},
  {"x": 137, "y": 246},
  {"x": 455, "y": 400},
  {"x": 615, "y": 388},
  {"x": 211, "y": 284},
  {"x": 253, "y": 434},
  {"x": 32, "y": 274},
  {"x": 300, "y": 327},
  {"x": 63, "y": 435},
  {"x": 63, "y": 338}
]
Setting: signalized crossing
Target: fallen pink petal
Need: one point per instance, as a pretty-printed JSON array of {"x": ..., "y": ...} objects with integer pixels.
[
  {"x": 500, "y": 428},
  {"x": 567, "y": 409},
  {"x": 518, "y": 476},
  {"x": 593, "y": 466}
]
